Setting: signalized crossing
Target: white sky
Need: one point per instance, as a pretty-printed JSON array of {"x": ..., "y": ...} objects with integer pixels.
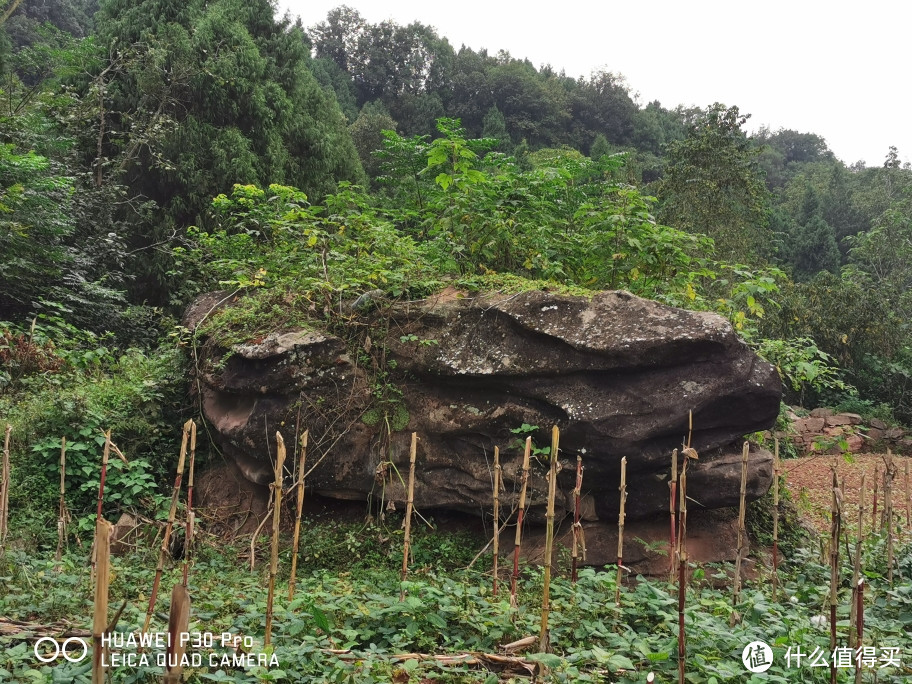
[{"x": 839, "y": 70}]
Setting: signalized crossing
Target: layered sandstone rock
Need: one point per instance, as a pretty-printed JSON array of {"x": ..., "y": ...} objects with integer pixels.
[{"x": 618, "y": 375}]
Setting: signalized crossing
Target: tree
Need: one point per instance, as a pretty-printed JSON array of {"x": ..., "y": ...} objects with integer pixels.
[
  {"x": 60, "y": 248},
  {"x": 813, "y": 249},
  {"x": 367, "y": 135},
  {"x": 885, "y": 251},
  {"x": 534, "y": 108},
  {"x": 654, "y": 127},
  {"x": 337, "y": 37},
  {"x": 600, "y": 147},
  {"x": 713, "y": 185},
  {"x": 471, "y": 95},
  {"x": 601, "y": 104},
  {"x": 495, "y": 126},
  {"x": 25, "y": 25},
  {"x": 243, "y": 104},
  {"x": 838, "y": 206},
  {"x": 404, "y": 67}
]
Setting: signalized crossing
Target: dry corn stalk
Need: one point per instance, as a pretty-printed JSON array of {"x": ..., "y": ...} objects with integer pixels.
[
  {"x": 859, "y": 627},
  {"x": 517, "y": 544},
  {"x": 887, "y": 522},
  {"x": 178, "y": 624},
  {"x": 835, "y": 531},
  {"x": 543, "y": 640},
  {"x": 908, "y": 496},
  {"x": 409, "y": 505},
  {"x": 106, "y": 454},
  {"x": 191, "y": 519},
  {"x": 776, "y": 474},
  {"x": 5, "y": 477},
  {"x": 172, "y": 513},
  {"x": 621, "y": 515},
  {"x": 688, "y": 453},
  {"x": 276, "y": 520},
  {"x": 874, "y": 509},
  {"x": 103, "y": 531},
  {"x": 496, "y": 550},
  {"x": 579, "y": 539},
  {"x": 300, "y": 508},
  {"x": 742, "y": 531},
  {"x": 856, "y": 568},
  {"x": 673, "y": 512},
  {"x": 682, "y": 572},
  {"x": 62, "y": 513}
]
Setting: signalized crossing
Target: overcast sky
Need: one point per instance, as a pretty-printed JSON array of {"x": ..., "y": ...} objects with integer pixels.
[{"x": 839, "y": 70}]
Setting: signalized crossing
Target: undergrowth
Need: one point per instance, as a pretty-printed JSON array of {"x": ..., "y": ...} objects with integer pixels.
[
  {"x": 90, "y": 387},
  {"x": 347, "y": 624}
]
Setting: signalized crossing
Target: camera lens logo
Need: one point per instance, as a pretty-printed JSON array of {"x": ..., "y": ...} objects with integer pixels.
[
  {"x": 757, "y": 656},
  {"x": 67, "y": 649}
]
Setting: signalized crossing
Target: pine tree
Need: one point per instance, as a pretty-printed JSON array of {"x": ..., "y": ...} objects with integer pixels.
[
  {"x": 494, "y": 125},
  {"x": 226, "y": 96}
]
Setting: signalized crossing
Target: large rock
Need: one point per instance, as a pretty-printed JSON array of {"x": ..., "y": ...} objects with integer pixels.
[{"x": 616, "y": 373}]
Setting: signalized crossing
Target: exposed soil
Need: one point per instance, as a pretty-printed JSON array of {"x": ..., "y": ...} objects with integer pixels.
[{"x": 810, "y": 481}]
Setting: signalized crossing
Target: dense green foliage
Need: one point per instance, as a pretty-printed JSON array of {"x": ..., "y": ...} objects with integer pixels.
[
  {"x": 450, "y": 609},
  {"x": 58, "y": 382},
  {"x": 115, "y": 142},
  {"x": 159, "y": 149}
]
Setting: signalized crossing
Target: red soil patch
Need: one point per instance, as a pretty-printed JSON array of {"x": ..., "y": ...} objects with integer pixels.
[{"x": 810, "y": 481}]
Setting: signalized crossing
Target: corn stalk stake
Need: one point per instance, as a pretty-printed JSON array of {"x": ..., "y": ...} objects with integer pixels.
[
  {"x": 106, "y": 454},
  {"x": 103, "y": 531},
  {"x": 742, "y": 531},
  {"x": 682, "y": 574},
  {"x": 297, "y": 528},
  {"x": 61, "y": 505},
  {"x": 409, "y": 506},
  {"x": 673, "y": 512},
  {"x": 887, "y": 522},
  {"x": 776, "y": 474},
  {"x": 276, "y": 520},
  {"x": 517, "y": 544},
  {"x": 859, "y": 631},
  {"x": 874, "y": 509},
  {"x": 172, "y": 513},
  {"x": 835, "y": 531},
  {"x": 579, "y": 540},
  {"x": 496, "y": 550},
  {"x": 191, "y": 516},
  {"x": 543, "y": 640},
  {"x": 908, "y": 496},
  {"x": 856, "y": 568},
  {"x": 4, "y": 488},
  {"x": 621, "y": 515}
]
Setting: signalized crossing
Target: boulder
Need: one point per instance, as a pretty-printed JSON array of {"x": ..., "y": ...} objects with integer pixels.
[
  {"x": 809, "y": 425},
  {"x": 874, "y": 434},
  {"x": 855, "y": 443},
  {"x": 839, "y": 419},
  {"x": 617, "y": 374}
]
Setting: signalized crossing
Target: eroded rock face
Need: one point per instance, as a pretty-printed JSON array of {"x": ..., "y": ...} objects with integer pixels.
[{"x": 617, "y": 374}]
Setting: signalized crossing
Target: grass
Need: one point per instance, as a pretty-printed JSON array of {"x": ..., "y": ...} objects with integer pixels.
[{"x": 346, "y": 623}]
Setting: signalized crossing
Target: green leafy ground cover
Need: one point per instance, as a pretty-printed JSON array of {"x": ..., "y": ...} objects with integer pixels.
[{"x": 347, "y": 623}]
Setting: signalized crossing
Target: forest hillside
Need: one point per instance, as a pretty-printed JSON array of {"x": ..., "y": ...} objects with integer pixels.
[{"x": 155, "y": 150}]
